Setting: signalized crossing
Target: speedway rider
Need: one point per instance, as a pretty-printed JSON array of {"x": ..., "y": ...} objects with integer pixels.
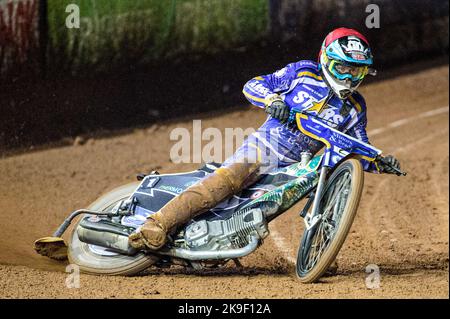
[{"x": 326, "y": 89}]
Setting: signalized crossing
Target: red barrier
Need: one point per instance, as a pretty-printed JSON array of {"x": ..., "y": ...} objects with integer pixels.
[{"x": 18, "y": 33}]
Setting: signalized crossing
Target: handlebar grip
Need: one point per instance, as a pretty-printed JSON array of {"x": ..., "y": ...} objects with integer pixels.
[{"x": 398, "y": 172}]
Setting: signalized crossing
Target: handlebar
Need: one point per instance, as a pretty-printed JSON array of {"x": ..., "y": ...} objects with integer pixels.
[
  {"x": 292, "y": 115},
  {"x": 398, "y": 172}
]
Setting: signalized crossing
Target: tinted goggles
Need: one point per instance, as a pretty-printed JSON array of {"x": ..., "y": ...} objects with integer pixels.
[{"x": 344, "y": 71}]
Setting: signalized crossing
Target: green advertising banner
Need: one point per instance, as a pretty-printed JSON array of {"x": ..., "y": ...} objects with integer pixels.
[{"x": 112, "y": 32}]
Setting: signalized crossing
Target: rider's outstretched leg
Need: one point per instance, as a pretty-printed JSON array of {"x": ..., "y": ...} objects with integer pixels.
[{"x": 198, "y": 198}]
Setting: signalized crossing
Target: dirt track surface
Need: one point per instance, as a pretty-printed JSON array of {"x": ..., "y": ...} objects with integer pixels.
[{"x": 402, "y": 224}]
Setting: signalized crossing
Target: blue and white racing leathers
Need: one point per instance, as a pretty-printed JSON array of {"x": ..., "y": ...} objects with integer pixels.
[{"x": 301, "y": 86}]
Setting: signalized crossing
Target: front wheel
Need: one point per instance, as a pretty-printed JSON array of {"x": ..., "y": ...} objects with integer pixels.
[{"x": 321, "y": 243}]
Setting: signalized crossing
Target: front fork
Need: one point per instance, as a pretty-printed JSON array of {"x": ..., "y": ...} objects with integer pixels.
[{"x": 314, "y": 216}]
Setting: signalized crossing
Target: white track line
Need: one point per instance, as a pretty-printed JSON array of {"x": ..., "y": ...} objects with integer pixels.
[
  {"x": 407, "y": 120},
  {"x": 278, "y": 239}
]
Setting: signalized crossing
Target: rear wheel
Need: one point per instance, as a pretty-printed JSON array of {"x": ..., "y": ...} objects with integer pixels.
[
  {"x": 321, "y": 243},
  {"x": 96, "y": 260}
]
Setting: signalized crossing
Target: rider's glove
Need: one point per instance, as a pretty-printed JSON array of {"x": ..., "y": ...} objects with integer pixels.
[
  {"x": 277, "y": 108},
  {"x": 389, "y": 164}
]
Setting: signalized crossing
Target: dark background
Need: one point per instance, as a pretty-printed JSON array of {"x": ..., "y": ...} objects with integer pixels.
[{"x": 43, "y": 98}]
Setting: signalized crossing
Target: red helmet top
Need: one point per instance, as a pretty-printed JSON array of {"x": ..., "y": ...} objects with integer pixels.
[{"x": 343, "y": 32}]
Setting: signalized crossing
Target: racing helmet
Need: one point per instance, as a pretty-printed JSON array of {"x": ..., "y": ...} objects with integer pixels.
[{"x": 344, "y": 60}]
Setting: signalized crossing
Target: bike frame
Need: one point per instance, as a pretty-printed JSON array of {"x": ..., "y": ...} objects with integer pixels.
[
  {"x": 313, "y": 176},
  {"x": 338, "y": 147}
]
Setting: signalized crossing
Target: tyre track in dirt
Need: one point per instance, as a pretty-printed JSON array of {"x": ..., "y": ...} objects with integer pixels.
[{"x": 39, "y": 189}]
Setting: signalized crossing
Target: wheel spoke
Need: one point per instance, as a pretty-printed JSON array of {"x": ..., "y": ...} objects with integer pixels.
[
  {"x": 336, "y": 194},
  {"x": 332, "y": 197},
  {"x": 334, "y": 202}
]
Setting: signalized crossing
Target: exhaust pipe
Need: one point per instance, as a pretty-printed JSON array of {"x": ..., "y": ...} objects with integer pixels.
[{"x": 204, "y": 255}]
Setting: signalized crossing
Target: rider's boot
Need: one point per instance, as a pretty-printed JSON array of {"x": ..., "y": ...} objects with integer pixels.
[{"x": 195, "y": 200}]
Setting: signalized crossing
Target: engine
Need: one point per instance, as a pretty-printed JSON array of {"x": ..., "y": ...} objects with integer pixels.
[{"x": 230, "y": 233}]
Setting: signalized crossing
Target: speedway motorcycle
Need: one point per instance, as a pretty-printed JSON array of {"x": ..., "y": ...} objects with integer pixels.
[{"x": 332, "y": 182}]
